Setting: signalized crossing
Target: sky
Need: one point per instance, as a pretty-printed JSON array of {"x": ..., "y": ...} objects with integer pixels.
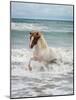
[{"x": 41, "y": 11}]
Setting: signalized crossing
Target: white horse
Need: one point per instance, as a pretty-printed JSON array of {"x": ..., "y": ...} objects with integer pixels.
[{"x": 42, "y": 52}]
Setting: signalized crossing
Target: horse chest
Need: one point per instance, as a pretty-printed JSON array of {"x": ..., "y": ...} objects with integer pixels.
[{"x": 40, "y": 54}]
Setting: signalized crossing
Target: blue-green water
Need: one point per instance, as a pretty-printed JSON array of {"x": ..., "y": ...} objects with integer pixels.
[
  {"x": 57, "y": 79},
  {"x": 56, "y": 33}
]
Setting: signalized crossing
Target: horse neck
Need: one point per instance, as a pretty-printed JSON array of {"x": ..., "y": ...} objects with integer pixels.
[{"x": 42, "y": 44}]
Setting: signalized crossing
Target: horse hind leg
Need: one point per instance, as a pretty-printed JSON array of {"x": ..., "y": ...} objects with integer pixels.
[
  {"x": 46, "y": 66},
  {"x": 56, "y": 61}
]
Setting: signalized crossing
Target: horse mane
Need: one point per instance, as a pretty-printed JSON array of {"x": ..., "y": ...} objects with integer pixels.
[{"x": 42, "y": 42}]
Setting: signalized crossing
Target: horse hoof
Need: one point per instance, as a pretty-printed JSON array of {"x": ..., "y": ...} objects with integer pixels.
[{"x": 30, "y": 69}]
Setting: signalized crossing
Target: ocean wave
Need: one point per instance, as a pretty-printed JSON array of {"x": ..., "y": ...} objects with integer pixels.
[
  {"x": 57, "y": 80},
  {"x": 27, "y": 26},
  {"x": 21, "y": 57},
  {"x": 39, "y": 27}
]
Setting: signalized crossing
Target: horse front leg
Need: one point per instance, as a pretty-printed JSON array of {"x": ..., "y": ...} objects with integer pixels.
[
  {"x": 29, "y": 65},
  {"x": 30, "y": 68}
]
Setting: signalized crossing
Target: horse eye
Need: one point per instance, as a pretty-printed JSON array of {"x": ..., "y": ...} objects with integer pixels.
[{"x": 30, "y": 33}]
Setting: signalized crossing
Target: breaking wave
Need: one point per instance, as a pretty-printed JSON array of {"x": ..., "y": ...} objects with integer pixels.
[
  {"x": 58, "y": 80},
  {"x": 21, "y": 57},
  {"x": 39, "y": 27}
]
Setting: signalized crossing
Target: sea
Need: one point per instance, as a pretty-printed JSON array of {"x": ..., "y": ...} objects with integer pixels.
[{"x": 58, "y": 80}]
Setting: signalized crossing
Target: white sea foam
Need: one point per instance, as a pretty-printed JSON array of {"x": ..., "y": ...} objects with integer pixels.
[
  {"x": 21, "y": 57},
  {"x": 27, "y": 26},
  {"x": 58, "y": 80},
  {"x": 36, "y": 26}
]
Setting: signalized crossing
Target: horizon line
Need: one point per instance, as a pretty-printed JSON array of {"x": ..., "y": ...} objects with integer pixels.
[{"x": 42, "y": 19}]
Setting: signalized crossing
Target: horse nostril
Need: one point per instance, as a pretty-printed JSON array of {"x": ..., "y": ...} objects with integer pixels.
[{"x": 31, "y": 46}]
